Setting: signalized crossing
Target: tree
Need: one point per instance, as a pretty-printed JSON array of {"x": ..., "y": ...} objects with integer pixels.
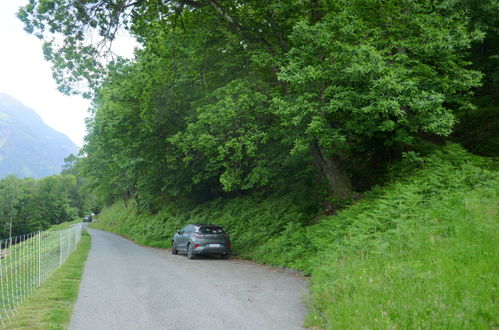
[
  {"x": 9, "y": 199},
  {"x": 369, "y": 72},
  {"x": 233, "y": 94},
  {"x": 77, "y": 62}
]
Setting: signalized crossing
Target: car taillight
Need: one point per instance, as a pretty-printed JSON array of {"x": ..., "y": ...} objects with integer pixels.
[
  {"x": 230, "y": 246},
  {"x": 196, "y": 246}
]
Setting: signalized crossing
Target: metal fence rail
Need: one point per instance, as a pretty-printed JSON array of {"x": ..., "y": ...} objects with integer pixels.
[{"x": 27, "y": 261}]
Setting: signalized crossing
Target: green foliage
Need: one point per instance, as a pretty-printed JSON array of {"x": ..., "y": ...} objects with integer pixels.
[
  {"x": 230, "y": 113},
  {"x": 355, "y": 76},
  {"x": 478, "y": 131},
  {"x": 228, "y": 110},
  {"x": 224, "y": 98},
  {"x": 485, "y": 53},
  {"x": 9, "y": 201},
  {"x": 232, "y": 133},
  {"x": 144, "y": 105},
  {"x": 28, "y": 205}
]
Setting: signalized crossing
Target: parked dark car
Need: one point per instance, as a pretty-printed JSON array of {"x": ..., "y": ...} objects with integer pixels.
[
  {"x": 201, "y": 239},
  {"x": 87, "y": 218}
]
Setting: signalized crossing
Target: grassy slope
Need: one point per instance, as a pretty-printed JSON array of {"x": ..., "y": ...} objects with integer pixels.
[
  {"x": 64, "y": 225},
  {"x": 420, "y": 252},
  {"x": 51, "y": 306}
]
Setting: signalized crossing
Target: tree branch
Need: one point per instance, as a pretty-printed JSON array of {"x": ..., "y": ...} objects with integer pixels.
[{"x": 237, "y": 28}]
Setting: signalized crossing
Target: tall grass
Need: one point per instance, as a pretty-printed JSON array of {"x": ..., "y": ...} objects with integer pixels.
[{"x": 420, "y": 252}]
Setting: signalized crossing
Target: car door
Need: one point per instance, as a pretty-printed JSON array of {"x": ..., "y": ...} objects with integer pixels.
[
  {"x": 182, "y": 238},
  {"x": 187, "y": 235}
]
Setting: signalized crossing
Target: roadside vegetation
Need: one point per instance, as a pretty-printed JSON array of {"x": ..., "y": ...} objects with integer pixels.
[
  {"x": 64, "y": 225},
  {"x": 51, "y": 306},
  {"x": 421, "y": 250},
  {"x": 420, "y": 253},
  {"x": 28, "y": 205}
]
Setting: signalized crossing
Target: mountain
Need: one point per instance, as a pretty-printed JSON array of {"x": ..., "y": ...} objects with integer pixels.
[{"x": 28, "y": 146}]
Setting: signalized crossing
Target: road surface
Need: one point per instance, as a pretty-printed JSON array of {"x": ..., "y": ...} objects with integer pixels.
[{"x": 127, "y": 286}]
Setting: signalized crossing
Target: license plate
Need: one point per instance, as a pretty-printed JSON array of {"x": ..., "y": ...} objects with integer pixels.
[{"x": 215, "y": 245}]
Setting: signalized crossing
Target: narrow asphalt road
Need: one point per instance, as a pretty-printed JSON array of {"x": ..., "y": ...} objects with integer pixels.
[{"x": 127, "y": 286}]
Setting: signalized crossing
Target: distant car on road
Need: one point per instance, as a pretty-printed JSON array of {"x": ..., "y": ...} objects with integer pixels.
[
  {"x": 87, "y": 218},
  {"x": 201, "y": 238}
]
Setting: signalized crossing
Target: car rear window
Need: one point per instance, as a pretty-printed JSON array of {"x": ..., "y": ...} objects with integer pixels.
[{"x": 211, "y": 230}]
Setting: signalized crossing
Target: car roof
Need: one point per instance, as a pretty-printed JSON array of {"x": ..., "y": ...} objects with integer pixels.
[{"x": 205, "y": 225}]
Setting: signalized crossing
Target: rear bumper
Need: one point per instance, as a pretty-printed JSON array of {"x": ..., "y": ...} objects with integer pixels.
[{"x": 204, "y": 249}]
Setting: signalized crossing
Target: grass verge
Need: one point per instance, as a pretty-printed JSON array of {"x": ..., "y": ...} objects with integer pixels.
[
  {"x": 51, "y": 306},
  {"x": 64, "y": 225}
]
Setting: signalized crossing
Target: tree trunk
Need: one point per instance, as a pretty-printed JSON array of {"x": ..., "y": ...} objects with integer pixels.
[{"x": 333, "y": 171}]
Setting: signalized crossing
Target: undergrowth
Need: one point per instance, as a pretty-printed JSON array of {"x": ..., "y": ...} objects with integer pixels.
[
  {"x": 253, "y": 223},
  {"x": 420, "y": 252}
]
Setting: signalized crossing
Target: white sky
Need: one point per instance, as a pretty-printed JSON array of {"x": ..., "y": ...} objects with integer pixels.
[{"x": 26, "y": 76}]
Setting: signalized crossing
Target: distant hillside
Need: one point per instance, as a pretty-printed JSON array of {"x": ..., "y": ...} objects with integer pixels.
[{"x": 28, "y": 147}]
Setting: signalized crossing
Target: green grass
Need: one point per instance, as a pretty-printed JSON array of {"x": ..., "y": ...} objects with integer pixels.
[
  {"x": 64, "y": 225},
  {"x": 436, "y": 270},
  {"x": 51, "y": 306},
  {"x": 420, "y": 252}
]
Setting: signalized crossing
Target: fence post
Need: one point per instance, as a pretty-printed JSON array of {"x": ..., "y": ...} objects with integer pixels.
[
  {"x": 39, "y": 258},
  {"x": 1, "y": 283},
  {"x": 60, "y": 248},
  {"x": 15, "y": 277},
  {"x": 69, "y": 242},
  {"x": 10, "y": 285}
]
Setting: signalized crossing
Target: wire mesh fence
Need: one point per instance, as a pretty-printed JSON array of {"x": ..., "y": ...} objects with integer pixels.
[{"x": 27, "y": 261}]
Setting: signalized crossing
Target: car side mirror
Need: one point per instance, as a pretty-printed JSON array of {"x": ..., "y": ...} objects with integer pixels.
[{"x": 180, "y": 232}]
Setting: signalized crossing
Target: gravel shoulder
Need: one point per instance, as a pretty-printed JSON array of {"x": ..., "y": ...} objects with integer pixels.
[{"x": 127, "y": 286}]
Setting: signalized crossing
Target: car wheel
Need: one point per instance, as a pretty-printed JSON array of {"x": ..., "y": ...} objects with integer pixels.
[
  {"x": 174, "y": 248},
  {"x": 190, "y": 252}
]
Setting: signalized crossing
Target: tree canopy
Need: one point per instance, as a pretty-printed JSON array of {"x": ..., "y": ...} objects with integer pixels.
[
  {"x": 230, "y": 96},
  {"x": 28, "y": 205}
]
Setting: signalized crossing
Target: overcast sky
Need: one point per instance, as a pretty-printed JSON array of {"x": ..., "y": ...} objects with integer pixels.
[{"x": 26, "y": 76}]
